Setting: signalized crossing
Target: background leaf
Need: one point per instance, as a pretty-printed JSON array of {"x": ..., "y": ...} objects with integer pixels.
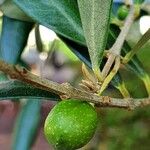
[
  {"x": 138, "y": 1},
  {"x": 15, "y": 89},
  {"x": 95, "y": 16},
  {"x": 60, "y": 16},
  {"x": 81, "y": 51},
  {"x": 13, "y": 39},
  {"x": 27, "y": 125}
]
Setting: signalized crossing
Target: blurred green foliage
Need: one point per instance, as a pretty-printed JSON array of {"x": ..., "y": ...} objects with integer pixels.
[{"x": 122, "y": 129}]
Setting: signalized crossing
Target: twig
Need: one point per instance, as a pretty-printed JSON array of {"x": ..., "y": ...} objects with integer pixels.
[
  {"x": 22, "y": 74},
  {"x": 116, "y": 48},
  {"x": 108, "y": 65},
  {"x": 111, "y": 75},
  {"x": 87, "y": 75}
]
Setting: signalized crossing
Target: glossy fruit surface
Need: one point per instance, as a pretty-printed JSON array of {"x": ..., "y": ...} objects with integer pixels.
[
  {"x": 70, "y": 124},
  {"x": 123, "y": 12}
]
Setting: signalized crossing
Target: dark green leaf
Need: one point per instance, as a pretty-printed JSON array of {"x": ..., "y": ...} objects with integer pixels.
[
  {"x": 27, "y": 125},
  {"x": 138, "y": 1},
  {"x": 117, "y": 80},
  {"x": 15, "y": 89},
  {"x": 80, "y": 51},
  {"x": 13, "y": 39},
  {"x": 60, "y": 15}
]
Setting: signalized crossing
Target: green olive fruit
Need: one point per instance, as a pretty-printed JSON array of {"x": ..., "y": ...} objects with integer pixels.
[
  {"x": 123, "y": 12},
  {"x": 70, "y": 124}
]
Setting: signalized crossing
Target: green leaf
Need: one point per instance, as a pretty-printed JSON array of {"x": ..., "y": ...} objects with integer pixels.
[
  {"x": 138, "y": 1},
  {"x": 9, "y": 9},
  {"x": 95, "y": 17},
  {"x": 13, "y": 39},
  {"x": 27, "y": 125},
  {"x": 15, "y": 89},
  {"x": 60, "y": 16}
]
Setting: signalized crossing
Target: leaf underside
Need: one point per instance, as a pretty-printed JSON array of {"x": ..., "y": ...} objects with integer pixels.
[
  {"x": 95, "y": 17},
  {"x": 13, "y": 39},
  {"x": 15, "y": 89},
  {"x": 27, "y": 125}
]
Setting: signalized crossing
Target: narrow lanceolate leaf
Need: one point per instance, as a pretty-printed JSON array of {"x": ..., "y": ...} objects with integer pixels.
[
  {"x": 27, "y": 125},
  {"x": 13, "y": 39},
  {"x": 15, "y": 89},
  {"x": 95, "y": 16},
  {"x": 61, "y": 16}
]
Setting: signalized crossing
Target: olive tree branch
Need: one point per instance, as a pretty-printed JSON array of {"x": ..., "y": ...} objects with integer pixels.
[{"x": 17, "y": 72}]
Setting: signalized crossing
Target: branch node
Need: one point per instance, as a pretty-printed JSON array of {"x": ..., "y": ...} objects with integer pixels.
[
  {"x": 106, "y": 100},
  {"x": 21, "y": 70},
  {"x": 64, "y": 97},
  {"x": 131, "y": 105}
]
